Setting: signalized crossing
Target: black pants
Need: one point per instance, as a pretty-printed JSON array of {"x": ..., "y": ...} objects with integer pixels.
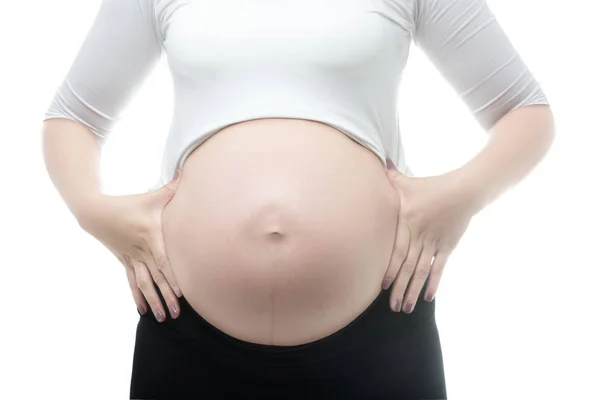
[{"x": 381, "y": 354}]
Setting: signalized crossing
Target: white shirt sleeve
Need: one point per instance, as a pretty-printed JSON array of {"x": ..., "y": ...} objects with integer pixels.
[
  {"x": 467, "y": 45},
  {"x": 120, "y": 50}
]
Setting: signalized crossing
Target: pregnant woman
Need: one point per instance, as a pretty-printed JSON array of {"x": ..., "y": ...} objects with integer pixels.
[{"x": 287, "y": 249}]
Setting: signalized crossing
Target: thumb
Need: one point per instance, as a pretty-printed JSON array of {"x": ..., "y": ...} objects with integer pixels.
[
  {"x": 396, "y": 177},
  {"x": 391, "y": 169},
  {"x": 168, "y": 191}
]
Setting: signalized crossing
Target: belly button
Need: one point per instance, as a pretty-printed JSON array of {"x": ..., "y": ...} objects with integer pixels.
[{"x": 276, "y": 235}]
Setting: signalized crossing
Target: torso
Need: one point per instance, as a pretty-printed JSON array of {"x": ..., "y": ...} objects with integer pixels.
[{"x": 281, "y": 230}]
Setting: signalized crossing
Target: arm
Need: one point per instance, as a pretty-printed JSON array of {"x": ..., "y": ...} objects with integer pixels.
[
  {"x": 518, "y": 142},
  {"x": 119, "y": 51},
  {"x": 72, "y": 157},
  {"x": 467, "y": 45}
]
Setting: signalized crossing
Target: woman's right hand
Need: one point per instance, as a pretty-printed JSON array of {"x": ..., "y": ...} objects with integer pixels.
[{"x": 130, "y": 227}]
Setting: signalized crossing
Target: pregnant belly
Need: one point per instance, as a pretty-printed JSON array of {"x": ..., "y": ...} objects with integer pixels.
[{"x": 281, "y": 230}]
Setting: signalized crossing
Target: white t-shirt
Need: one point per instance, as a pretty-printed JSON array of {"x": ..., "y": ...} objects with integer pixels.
[{"x": 335, "y": 61}]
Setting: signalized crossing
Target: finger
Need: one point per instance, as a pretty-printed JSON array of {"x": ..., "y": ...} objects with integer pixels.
[
  {"x": 138, "y": 296},
  {"x": 435, "y": 276},
  {"x": 157, "y": 248},
  {"x": 399, "y": 252},
  {"x": 145, "y": 284},
  {"x": 163, "y": 285},
  {"x": 406, "y": 271},
  {"x": 419, "y": 277}
]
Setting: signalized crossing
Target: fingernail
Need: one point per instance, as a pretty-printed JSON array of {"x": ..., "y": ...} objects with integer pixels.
[
  {"x": 409, "y": 308},
  {"x": 173, "y": 311},
  {"x": 389, "y": 164},
  {"x": 141, "y": 311},
  {"x": 386, "y": 283},
  {"x": 159, "y": 316},
  {"x": 397, "y": 305},
  {"x": 178, "y": 291},
  {"x": 428, "y": 298},
  {"x": 177, "y": 174}
]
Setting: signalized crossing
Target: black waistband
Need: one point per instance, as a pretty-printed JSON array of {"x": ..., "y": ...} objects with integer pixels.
[{"x": 375, "y": 324}]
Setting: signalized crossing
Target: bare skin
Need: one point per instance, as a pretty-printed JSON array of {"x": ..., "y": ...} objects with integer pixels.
[
  {"x": 298, "y": 215},
  {"x": 280, "y": 231}
]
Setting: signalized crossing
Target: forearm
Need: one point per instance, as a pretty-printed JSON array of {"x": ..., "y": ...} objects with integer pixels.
[
  {"x": 518, "y": 142},
  {"x": 72, "y": 157}
]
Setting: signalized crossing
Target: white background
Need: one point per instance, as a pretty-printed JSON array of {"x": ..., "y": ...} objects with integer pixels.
[{"x": 517, "y": 310}]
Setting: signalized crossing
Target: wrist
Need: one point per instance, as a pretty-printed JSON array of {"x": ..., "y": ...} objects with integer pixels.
[{"x": 471, "y": 188}]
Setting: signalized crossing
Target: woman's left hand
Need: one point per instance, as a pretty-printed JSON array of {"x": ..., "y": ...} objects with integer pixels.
[{"x": 434, "y": 214}]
